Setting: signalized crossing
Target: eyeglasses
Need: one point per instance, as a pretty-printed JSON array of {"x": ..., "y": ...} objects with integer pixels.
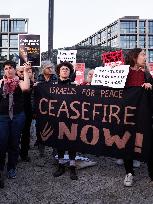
[{"x": 65, "y": 68}]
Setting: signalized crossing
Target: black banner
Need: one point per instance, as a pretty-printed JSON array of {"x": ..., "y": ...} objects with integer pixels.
[{"x": 95, "y": 119}]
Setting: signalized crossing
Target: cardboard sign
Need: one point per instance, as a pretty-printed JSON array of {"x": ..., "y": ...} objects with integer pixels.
[
  {"x": 151, "y": 68},
  {"x": 66, "y": 55},
  {"x": 29, "y": 49},
  {"x": 113, "y": 58},
  {"x": 80, "y": 69},
  {"x": 114, "y": 77}
]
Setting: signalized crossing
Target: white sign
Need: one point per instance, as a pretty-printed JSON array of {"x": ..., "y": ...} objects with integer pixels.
[
  {"x": 66, "y": 55},
  {"x": 114, "y": 77}
]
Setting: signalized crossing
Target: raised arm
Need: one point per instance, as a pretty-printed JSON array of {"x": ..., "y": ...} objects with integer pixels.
[{"x": 25, "y": 84}]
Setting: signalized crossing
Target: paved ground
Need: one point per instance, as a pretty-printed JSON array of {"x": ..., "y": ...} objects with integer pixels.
[{"x": 100, "y": 184}]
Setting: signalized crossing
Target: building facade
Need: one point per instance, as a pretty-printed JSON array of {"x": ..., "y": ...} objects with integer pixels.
[
  {"x": 126, "y": 33},
  {"x": 9, "y": 30}
]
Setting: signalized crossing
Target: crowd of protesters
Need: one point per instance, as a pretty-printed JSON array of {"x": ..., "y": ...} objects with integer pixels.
[{"x": 17, "y": 110}]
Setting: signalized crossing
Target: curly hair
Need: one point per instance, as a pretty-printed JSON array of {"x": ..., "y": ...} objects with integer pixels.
[
  {"x": 66, "y": 64},
  {"x": 9, "y": 62},
  {"x": 132, "y": 56}
]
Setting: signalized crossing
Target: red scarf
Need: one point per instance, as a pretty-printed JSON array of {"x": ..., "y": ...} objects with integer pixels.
[{"x": 10, "y": 85}]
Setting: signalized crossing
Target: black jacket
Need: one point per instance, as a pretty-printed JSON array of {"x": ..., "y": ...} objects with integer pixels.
[{"x": 64, "y": 82}]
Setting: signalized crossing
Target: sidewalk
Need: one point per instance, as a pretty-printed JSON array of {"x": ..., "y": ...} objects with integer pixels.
[{"x": 100, "y": 184}]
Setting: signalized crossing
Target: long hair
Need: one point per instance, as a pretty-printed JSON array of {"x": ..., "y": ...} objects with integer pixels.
[{"x": 132, "y": 56}]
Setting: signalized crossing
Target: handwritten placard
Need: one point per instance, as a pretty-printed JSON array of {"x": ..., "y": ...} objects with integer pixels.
[
  {"x": 66, "y": 55},
  {"x": 114, "y": 77}
]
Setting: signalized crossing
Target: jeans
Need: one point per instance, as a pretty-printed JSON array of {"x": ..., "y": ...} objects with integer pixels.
[{"x": 10, "y": 133}]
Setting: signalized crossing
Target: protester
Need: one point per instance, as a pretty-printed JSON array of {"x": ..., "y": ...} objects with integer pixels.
[
  {"x": 47, "y": 75},
  {"x": 138, "y": 76},
  {"x": 25, "y": 138},
  {"x": 64, "y": 70},
  {"x": 89, "y": 78},
  {"x": 11, "y": 117}
]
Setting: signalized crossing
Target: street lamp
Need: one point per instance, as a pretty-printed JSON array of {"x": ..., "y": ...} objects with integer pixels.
[{"x": 50, "y": 29}]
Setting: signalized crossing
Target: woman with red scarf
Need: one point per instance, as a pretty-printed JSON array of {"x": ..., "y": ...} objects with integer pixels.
[
  {"x": 138, "y": 76},
  {"x": 11, "y": 116}
]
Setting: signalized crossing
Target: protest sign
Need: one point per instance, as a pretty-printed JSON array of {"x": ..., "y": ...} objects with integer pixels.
[
  {"x": 151, "y": 68},
  {"x": 66, "y": 55},
  {"x": 79, "y": 69},
  {"x": 29, "y": 49},
  {"x": 95, "y": 119},
  {"x": 113, "y": 58},
  {"x": 114, "y": 77}
]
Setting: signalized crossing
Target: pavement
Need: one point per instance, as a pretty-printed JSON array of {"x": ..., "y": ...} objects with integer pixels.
[{"x": 100, "y": 184}]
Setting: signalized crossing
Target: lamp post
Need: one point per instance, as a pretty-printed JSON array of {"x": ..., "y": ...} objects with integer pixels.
[{"x": 50, "y": 29}]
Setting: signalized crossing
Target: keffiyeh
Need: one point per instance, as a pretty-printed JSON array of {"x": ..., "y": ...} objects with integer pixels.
[{"x": 9, "y": 88}]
